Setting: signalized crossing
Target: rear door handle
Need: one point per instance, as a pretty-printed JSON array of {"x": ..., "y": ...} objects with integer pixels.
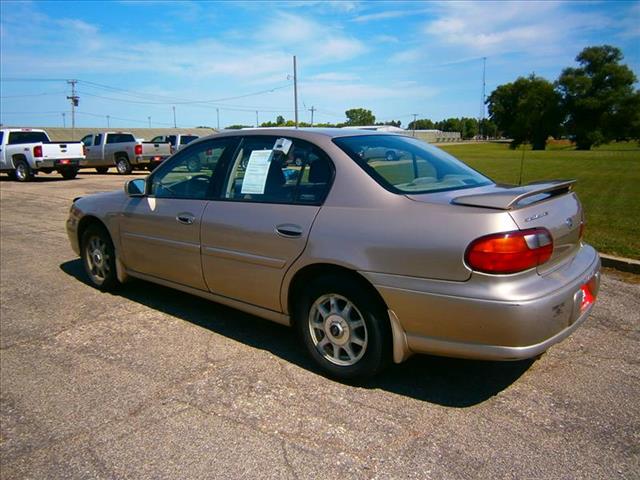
[
  {"x": 289, "y": 230},
  {"x": 186, "y": 218}
]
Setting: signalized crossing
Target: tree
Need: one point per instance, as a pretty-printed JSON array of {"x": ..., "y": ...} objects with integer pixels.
[
  {"x": 360, "y": 116},
  {"x": 469, "y": 127},
  {"x": 599, "y": 99},
  {"x": 280, "y": 120},
  {"x": 527, "y": 110},
  {"x": 488, "y": 129},
  {"x": 421, "y": 124}
]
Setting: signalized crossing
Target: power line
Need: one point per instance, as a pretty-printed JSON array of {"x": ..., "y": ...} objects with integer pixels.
[{"x": 31, "y": 95}]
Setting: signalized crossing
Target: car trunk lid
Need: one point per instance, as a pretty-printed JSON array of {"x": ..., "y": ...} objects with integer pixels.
[{"x": 552, "y": 205}]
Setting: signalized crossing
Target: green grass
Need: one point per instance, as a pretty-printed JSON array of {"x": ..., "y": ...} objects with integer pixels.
[{"x": 608, "y": 184}]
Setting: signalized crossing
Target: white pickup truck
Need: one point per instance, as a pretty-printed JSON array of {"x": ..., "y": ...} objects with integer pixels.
[
  {"x": 121, "y": 149},
  {"x": 24, "y": 152}
]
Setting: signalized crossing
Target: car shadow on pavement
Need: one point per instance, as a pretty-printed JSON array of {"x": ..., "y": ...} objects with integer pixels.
[{"x": 443, "y": 381}]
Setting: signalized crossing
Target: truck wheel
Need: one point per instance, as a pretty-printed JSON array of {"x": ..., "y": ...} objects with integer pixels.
[
  {"x": 102, "y": 169},
  {"x": 99, "y": 259},
  {"x": 23, "y": 171},
  {"x": 344, "y": 328},
  {"x": 123, "y": 166},
  {"x": 69, "y": 173}
]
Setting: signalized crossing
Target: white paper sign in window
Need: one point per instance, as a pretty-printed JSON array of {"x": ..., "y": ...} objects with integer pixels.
[{"x": 255, "y": 176}]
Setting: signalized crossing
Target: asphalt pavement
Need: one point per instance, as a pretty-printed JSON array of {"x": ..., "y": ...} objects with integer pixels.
[{"x": 154, "y": 383}]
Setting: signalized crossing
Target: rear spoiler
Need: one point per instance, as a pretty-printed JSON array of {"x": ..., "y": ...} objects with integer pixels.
[{"x": 511, "y": 198}]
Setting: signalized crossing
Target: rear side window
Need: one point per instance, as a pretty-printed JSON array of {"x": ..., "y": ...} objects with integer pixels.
[
  {"x": 406, "y": 165},
  {"x": 120, "y": 138},
  {"x": 184, "y": 139},
  {"x": 159, "y": 139},
  {"x": 98, "y": 139},
  {"x": 261, "y": 174},
  {"x": 17, "y": 138}
]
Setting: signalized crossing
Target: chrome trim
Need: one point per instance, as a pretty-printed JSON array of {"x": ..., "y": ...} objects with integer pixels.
[
  {"x": 192, "y": 247},
  {"x": 244, "y": 257}
]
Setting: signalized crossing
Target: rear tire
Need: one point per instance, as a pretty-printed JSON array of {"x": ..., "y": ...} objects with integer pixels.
[
  {"x": 344, "y": 327},
  {"x": 123, "y": 166},
  {"x": 23, "y": 172},
  {"x": 69, "y": 173},
  {"x": 99, "y": 259},
  {"x": 102, "y": 169}
]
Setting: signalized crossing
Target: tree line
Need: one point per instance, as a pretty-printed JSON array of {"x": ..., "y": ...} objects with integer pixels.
[{"x": 592, "y": 104}]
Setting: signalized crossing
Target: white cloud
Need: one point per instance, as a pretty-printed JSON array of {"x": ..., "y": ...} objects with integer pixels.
[
  {"x": 492, "y": 28},
  {"x": 334, "y": 77},
  {"x": 410, "y": 55},
  {"x": 385, "y": 15}
]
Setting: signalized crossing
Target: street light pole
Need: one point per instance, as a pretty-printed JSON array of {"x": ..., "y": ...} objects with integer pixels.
[
  {"x": 295, "y": 88},
  {"x": 218, "y": 117},
  {"x": 415, "y": 115},
  {"x": 174, "y": 116},
  {"x": 108, "y": 124},
  {"x": 64, "y": 120},
  {"x": 149, "y": 118}
]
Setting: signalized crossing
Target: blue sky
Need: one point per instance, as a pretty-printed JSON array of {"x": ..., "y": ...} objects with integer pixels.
[{"x": 137, "y": 59}]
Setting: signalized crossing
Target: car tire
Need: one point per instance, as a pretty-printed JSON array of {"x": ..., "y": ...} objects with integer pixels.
[
  {"x": 390, "y": 156},
  {"x": 99, "y": 259},
  {"x": 347, "y": 343},
  {"x": 102, "y": 169},
  {"x": 194, "y": 165},
  {"x": 123, "y": 166},
  {"x": 69, "y": 173},
  {"x": 23, "y": 172}
]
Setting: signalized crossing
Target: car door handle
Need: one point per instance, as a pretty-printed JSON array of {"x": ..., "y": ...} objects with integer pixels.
[
  {"x": 185, "y": 218},
  {"x": 289, "y": 230}
]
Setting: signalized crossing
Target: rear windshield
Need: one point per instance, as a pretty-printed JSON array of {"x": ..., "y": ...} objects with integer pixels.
[
  {"x": 120, "y": 138},
  {"x": 16, "y": 138},
  {"x": 184, "y": 139},
  {"x": 406, "y": 165}
]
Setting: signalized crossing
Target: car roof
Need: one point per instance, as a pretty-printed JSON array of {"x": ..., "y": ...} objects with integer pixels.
[{"x": 307, "y": 133}]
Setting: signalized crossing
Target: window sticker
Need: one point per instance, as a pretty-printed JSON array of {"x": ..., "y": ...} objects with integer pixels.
[
  {"x": 255, "y": 177},
  {"x": 282, "y": 145}
]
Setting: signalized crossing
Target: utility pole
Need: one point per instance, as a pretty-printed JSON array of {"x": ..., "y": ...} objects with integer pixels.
[
  {"x": 149, "y": 118},
  {"x": 257, "y": 123},
  {"x": 295, "y": 89},
  {"x": 108, "y": 124},
  {"x": 415, "y": 116},
  {"x": 312, "y": 109},
  {"x": 75, "y": 100},
  {"x": 218, "y": 117},
  {"x": 174, "y": 116},
  {"x": 484, "y": 85},
  {"x": 64, "y": 120}
]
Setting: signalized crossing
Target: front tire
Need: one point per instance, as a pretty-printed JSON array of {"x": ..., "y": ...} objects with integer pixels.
[
  {"x": 344, "y": 327},
  {"x": 99, "y": 259},
  {"x": 23, "y": 172},
  {"x": 123, "y": 166}
]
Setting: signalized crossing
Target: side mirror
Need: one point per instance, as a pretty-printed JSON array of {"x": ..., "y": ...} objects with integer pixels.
[{"x": 136, "y": 187}]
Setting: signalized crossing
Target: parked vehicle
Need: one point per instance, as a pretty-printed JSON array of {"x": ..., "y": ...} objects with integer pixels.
[
  {"x": 121, "y": 149},
  {"x": 367, "y": 260},
  {"x": 24, "y": 152},
  {"x": 177, "y": 141}
]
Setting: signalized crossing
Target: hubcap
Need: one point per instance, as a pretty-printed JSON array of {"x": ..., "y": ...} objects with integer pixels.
[
  {"x": 338, "y": 329},
  {"x": 97, "y": 259},
  {"x": 21, "y": 171}
]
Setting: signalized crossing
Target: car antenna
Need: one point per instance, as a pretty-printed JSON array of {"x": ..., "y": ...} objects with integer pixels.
[{"x": 521, "y": 165}]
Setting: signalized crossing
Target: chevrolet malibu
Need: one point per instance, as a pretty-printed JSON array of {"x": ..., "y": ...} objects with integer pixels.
[{"x": 370, "y": 259}]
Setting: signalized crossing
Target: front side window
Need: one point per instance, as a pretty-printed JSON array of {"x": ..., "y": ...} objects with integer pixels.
[
  {"x": 261, "y": 173},
  {"x": 406, "y": 165},
  {"x": 87, "y": 141},
  {"x": 191, "y": 173}
]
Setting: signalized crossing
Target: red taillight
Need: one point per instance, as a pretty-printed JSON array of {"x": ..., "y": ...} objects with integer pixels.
[
  {"x": 138, "y": 150},
  {"x": 37, "y": 151},
  {"x": 510, "y": 252},
  {"x": 84, "y": 150},
  {"x": 587, "y": 297}
]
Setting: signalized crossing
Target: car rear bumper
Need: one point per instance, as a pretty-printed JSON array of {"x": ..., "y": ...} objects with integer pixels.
[
  {"x": 509, "y": 317},
  {"x": 58, "y": 163}
]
